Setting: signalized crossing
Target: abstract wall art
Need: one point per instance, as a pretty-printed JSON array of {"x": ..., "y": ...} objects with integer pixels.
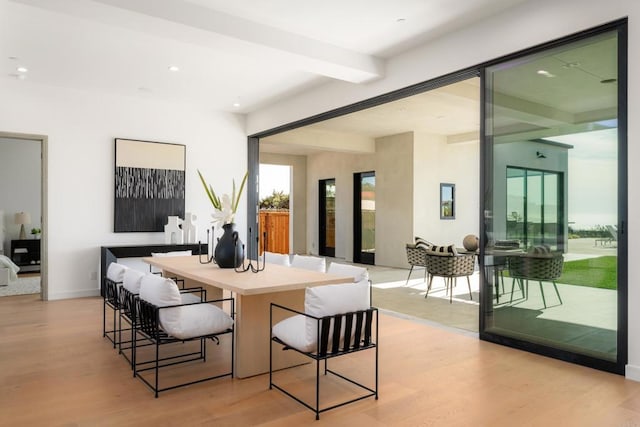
[{"x": 149, "y": 184}]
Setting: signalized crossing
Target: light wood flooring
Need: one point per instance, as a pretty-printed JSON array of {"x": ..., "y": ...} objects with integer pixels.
[{"x": 57, "y": 370}]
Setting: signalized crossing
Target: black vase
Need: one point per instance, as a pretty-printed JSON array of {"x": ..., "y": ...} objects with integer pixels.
[{"x": 229, "y": 252}]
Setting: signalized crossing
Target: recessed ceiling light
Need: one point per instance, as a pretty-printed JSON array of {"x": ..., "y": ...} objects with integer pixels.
[
  {"x": 145, "y": 89},
  {"x": 13, "y": 58},
  {"x": 22, "y": 69},
  {"x": 401, "y": 20},
  {"x": 571, "y": 64},
  {"x": 236, "y": 104},
  {"x": 545, "y": 73},
  {"x": 174, "y": 68}
]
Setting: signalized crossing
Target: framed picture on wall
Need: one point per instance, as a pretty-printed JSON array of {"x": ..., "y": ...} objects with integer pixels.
[
  {"x": 447, "y": 201},
  {"x": 149, "y": 184}
]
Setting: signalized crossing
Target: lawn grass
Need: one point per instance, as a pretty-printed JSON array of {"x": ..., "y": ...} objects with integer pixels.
[{"x": 598, "y": 272}]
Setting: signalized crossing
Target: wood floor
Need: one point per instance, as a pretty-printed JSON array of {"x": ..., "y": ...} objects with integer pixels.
[{"x": 57, "y": 370}]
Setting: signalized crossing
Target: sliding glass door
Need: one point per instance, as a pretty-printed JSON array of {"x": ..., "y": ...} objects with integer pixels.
[{"x": 555, "y": 201}]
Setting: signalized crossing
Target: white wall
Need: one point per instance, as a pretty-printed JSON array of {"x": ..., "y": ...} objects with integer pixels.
[
  {"x": 340, "y": 166},
  {"x": 81, "y": 128},
  {"x": 19, "y": 186},
  {"x": 394, "y": 198},
  {"x": 437, "y": 162},
  {"x": 523, "y": 26}
]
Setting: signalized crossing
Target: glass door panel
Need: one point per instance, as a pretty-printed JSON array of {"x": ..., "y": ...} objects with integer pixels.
[
  {"x": 364, "y": 226},
  {"x": 551, "y": 203},
  {"x": 327, "y": 217}
]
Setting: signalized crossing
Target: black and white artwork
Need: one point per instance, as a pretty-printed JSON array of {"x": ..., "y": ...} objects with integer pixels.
[{"x": 149, "y": 184}]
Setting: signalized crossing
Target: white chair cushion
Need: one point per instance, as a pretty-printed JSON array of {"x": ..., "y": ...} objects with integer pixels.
[
  {"x": 358, "y": 273},
  {"x": 132, "y": 280},
  {"x": 163, "y": 292},
  {"x": 190, "y": 298},
  {"x": 280, "y": 259},
  {"x": 292, "y": 331},
  {"x": 198, "y": 320},
  {"x": 115, "y": 272},
  {"x": 328, "y": 300},
  {"x": 172, "y": 253},
  {"x": 309, "y": 263}
]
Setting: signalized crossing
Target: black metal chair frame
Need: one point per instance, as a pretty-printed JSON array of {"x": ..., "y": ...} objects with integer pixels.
[
  {"x": 127, "y": 305},
  {"x": 111, "y": 300},
  {"x": 148, "y": 326},
  {"x": 363, "y": 328}
]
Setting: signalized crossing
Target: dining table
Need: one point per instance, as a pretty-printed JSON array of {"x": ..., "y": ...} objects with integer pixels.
[{"x": 253, "y": 294}]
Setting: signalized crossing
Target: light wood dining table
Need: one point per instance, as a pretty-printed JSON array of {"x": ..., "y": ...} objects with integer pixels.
[{"x": 253, "y": 293}]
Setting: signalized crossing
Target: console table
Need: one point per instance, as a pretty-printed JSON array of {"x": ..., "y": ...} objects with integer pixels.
[{"x": 109, "y": 254}]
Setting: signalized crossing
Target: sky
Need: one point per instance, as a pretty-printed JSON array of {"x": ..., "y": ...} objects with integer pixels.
[{"x": 274, "y": 177}]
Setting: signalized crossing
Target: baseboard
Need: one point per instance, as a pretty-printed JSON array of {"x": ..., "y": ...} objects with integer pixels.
[
  {"x": 632, "y": 372},
  {"x": 84, "y": 293}
]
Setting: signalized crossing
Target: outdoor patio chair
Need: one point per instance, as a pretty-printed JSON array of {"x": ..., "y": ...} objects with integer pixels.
[
  {"x": 416, "y": 257},
  {"x": 544, "y": 267},
  {"x": 450, "y": 266},
  {"x": 337, "y": 320},
  {"x": 164, "y": 319}
]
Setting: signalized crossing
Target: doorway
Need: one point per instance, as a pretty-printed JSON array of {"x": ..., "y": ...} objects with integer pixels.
[
  {"x": 23, "y": 223},
  {"x": 364, "y": 220},
  {"x": 327, "y": 217}
]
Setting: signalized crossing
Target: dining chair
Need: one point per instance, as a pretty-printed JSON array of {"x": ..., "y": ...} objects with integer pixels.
[
  {"x": 337, "y": 320},
  {"x": 308, "y": 262}
]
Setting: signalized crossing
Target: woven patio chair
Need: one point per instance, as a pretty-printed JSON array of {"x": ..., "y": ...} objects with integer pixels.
[
  {"x": 450, "y": 267},
  {"x": 542, "y": 268},
  {"x": 416, "y": 257}
]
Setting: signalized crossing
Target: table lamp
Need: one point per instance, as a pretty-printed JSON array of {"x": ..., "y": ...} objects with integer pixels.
[{"x": 21, "y": 219}]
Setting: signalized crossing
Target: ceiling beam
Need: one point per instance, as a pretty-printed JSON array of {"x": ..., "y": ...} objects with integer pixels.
[{"x": 189, "y": 22}]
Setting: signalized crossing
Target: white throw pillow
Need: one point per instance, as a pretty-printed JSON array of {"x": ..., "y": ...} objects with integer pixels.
[
  {"x": 163, "y": 292},
  {"x": 309, "y": 263},
  {"x": 328, "y": 300},
  {"x": 115, "y": 272},
  {"x": 292, "y": 331},
  {"x": 198, "y": 320},
  {"x": 358, "y": 273},
  {"x": 132, "y": 280},
  {"x": 173, "y": 253}
]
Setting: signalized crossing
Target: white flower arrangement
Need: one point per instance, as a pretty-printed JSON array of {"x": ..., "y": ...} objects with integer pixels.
[{"x": 225, "y": 207}]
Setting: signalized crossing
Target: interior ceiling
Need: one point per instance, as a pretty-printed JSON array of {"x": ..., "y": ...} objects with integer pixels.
[
  {"x": 246, "y": 52},
  {"x": 452, "y": 111},
  {"x": 568, "y": 90}
]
